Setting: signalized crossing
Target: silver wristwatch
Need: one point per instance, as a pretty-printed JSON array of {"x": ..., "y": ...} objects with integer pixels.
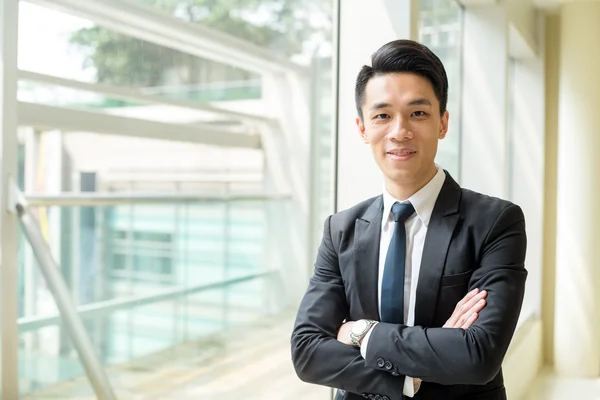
[{"x": 359, "y": 330}]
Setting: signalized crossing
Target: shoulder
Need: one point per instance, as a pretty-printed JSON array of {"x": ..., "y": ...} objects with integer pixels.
[
  {"x": 344, "y": 219},
  {"x": 488, "y": 209}
]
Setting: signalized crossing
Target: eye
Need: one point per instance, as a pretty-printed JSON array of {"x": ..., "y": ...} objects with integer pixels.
[
  {"x": 381, "y": 116},
  {"x": 419, "y": 114}
]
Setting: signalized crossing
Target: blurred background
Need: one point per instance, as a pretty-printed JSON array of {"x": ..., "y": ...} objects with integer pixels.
[{"x": 167, "y": 166}]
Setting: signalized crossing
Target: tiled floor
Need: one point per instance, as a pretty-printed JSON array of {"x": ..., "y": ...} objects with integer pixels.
[
  {"x": 550, "y": 387},
  {"x": 247, "y": 363}
]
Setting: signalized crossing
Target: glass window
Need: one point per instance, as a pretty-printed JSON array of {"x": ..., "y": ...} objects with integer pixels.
[
  {"x": 229, "y": 167},
  {"x": 441, "y": 31}
]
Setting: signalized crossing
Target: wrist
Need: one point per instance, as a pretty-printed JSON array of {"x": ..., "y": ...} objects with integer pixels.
[
  {"x": 359, "y": 330},
  {"x": 360, "y": 342}
]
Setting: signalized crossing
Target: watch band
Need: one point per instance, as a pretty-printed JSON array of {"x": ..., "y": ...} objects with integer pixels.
[{"x": 356, "y": 337}]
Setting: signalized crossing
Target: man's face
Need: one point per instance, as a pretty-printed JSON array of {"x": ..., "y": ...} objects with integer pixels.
[{"x": 402, "y": 124}]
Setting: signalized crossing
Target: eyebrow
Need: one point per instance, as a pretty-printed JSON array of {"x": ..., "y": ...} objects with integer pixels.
[
  {"x": 420, "y": 102},
  {"x": 378, "y": 106},
  {"x": 417, "y": 102}
]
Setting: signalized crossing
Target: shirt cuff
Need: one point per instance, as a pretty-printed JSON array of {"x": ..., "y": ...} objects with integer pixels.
[
  {"x": 409, "y": 387},
  {"x": 365, "y": 342}
]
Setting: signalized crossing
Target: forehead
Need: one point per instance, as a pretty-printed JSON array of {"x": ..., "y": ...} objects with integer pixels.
[{"x": 398, "y": 88}]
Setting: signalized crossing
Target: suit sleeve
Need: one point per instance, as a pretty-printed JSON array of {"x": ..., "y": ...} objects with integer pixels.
[
  {"x": 474, "y": 355},
  {"x": 317, "y": 355}
]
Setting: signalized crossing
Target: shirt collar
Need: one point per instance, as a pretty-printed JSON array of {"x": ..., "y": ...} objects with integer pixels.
[{"x": 423, "y": 201}]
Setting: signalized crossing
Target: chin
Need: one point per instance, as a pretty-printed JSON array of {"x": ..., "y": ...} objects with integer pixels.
[
  {"x": 402, "y": 168},
  {"x": 400, "y": 176}
]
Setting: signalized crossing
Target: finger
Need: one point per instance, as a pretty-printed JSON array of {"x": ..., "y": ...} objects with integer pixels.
[
  {"x": 468, "y": 297},
  {"x": 470, "y": 321},
  {"x": 460, "y": 306},
  {"x": 453, "y": 318},
  {"x": 451, "y": 321},
  {"x": 459, "y": 309},
  {"x": 473, "y": 310},
  {"x": 463, "y": 306},
  {"x": 462, "y": 310},
  {"x": 473, "y": 301}
]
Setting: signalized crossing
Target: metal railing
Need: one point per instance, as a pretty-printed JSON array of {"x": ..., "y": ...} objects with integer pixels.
[
  {"x": 106, "y": 199},
  {"x": 106, "y": 307},
  {"x": 57, "y": 286},
  {"x": 70, "y": 316}
]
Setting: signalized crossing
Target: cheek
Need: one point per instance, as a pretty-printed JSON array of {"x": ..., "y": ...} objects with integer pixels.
[
  {"x": 377, "y": 138},
  {"x": 429, "y": 135},
  {"x": 432, "y": 146}
]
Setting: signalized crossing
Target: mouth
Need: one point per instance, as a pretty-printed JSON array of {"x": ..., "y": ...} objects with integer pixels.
[{"x": 401, "y": 154}]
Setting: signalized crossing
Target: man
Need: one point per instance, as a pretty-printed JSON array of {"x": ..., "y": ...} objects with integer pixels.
[{"x": 396, "y": 304}]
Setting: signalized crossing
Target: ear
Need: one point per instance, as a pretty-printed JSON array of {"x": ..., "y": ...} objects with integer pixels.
[
  {"x": 444, "y": 125},
  {"x": 362, "y": 130}
]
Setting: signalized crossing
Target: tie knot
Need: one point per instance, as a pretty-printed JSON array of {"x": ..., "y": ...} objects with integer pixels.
[{"x": 402, "y": 211}]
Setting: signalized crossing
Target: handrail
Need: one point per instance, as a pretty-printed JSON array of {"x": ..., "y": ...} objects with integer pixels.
[
  {"x": 57, "y": 286},
  {"x": 106, "y": 307},
  {"x": 106, "y": 199},
  {"x": 70, "y": 316}
]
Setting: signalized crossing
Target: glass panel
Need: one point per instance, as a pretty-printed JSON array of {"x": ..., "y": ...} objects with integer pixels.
[
  {"x": 286, "y": 27},
  {"x": 119, "y": 252},
  {"x": 75, "y": 48},
  {"x": 138, "y": 251},
  {"x": 441, "y": 31}
]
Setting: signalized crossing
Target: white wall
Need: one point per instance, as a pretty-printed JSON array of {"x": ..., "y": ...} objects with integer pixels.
[{"x": 577, "y": 321}]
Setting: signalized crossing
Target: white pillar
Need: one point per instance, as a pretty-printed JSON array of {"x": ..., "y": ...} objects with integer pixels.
[
  {"x": 484, "y": 99},
  {"x": 577, "y": 321},
  {"x": 365, "y": 26},
  {"x": 9, "y": 346}
]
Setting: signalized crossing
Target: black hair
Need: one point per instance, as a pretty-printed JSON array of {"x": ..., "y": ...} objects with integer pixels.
[{"x": 401, "y": 56}]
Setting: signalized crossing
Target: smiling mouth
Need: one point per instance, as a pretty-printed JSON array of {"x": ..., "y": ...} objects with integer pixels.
[{"x": 401, "y": 153}]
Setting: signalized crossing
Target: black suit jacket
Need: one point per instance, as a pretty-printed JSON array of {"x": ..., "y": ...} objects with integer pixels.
[{"x": 473, "y": 241}]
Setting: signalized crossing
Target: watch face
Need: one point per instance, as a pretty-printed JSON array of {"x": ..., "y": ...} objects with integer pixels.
[{"x": 359, "y": 327}]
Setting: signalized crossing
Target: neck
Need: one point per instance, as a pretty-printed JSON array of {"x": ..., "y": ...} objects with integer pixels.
[{"x": 405, "y": 189}]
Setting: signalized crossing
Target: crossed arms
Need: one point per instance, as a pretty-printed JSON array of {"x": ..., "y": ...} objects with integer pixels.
[{"x": 445, "y": 356}]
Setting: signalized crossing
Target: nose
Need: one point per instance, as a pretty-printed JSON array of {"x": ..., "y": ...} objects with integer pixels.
[{"x": 400, "y": 130}]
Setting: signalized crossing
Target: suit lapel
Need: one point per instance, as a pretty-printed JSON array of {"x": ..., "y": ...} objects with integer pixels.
[
  {"x": 367, "y": 233},
  {"x": 439, "y": 233}
]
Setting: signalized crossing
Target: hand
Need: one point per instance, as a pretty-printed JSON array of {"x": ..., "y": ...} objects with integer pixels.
[
  {"x": 417, "y": 384},
  {"x": 344, "y": 333},
  {"x": 464, "y": 315},
  {"x": 466, "y": 311}
]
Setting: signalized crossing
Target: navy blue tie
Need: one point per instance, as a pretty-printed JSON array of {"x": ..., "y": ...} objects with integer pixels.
[{"x": 392, "y": 287}]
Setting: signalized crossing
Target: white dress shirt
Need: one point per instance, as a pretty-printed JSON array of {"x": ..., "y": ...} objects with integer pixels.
[{"x": 416, "y": 230}]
